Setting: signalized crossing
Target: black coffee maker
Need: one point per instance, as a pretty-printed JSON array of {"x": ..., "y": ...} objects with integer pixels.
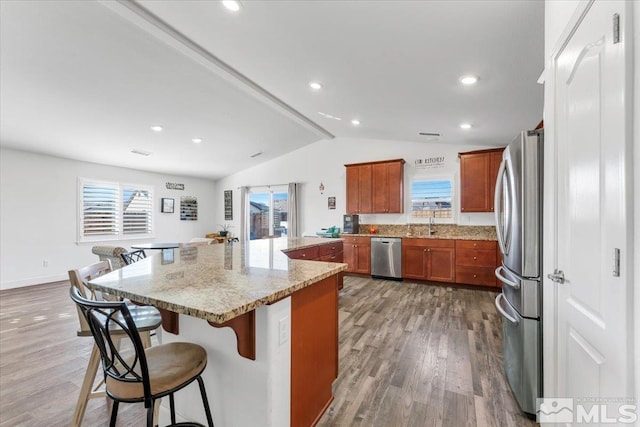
[{"x": 350, "y": 224}]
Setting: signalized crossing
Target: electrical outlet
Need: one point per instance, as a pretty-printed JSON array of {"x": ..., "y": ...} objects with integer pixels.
[
  {"x": 284, "y": 330},
  {"x": 45, "y": 263}
]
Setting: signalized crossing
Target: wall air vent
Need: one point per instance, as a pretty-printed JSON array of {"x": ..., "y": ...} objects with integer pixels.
[{"x": 141, "y": 152}]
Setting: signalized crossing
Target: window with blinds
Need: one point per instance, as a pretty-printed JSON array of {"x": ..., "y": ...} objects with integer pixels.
[
  {"x": 112, "y": 211},
  {"x": 431, "y": 198}
]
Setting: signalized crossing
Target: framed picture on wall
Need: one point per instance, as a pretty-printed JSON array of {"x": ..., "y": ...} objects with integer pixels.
[
  {"x": 188, "y": 208},
  {"x": 167, "y": 205},
  {"x": 228, "y": 205}
]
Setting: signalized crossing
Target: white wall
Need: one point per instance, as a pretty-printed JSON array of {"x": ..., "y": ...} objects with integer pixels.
[
  {"x": 324, "y": 162},
  {"x": 38, "y": 211}
]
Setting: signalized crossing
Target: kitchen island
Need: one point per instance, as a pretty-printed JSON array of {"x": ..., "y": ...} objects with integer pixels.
[{"x": 275, "y": 363}]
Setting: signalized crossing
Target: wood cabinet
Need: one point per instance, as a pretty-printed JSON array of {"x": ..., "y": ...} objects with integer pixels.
[
  {"x": 359, "y": 189},
  {"x": 357, "y": 254},
  {"x": 428, "y": 259},
  {"x": 388, "y": 187},
  {"x": 330, "y": 252},
  {"x": 478, "y": 173},
  {"x": 476, "y": 262},
  {"x": 375, "y": 187}
]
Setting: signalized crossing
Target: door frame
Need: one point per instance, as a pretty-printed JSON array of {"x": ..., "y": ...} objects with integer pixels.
[{"x": 550, "y": 219}]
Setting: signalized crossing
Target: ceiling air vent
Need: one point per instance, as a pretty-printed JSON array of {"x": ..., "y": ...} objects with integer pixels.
[
  {"x": 141, "y": 152},
  {"x": 429, "y": 134},
  {"x": 254, "y": 155}
]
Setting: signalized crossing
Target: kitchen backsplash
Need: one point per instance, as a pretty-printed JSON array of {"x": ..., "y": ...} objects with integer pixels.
[{"x": 417, "y": 230}]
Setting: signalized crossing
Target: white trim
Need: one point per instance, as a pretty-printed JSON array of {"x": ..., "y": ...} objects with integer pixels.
[
  {"x": 31, "y": 281},
  {"x": 81, "y": 239},
  {"x": 549, "y": 262}
]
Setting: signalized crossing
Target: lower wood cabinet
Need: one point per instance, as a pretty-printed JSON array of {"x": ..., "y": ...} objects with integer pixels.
[
  {"x": 476, "y": 261},
  {"x": 357, "y": 254},
  {"x": 428, "y": 259}
]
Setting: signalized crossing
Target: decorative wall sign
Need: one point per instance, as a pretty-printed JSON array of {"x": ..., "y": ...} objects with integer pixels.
[
  {"x": 174, "y": 186},
  {"x": 188, "y": 208},
  {"x": 167, "y": 205},
  {"x": 429, "y": 162},
  {"x": 331, "y": 202},
  {"x": 228, "y": 205}
]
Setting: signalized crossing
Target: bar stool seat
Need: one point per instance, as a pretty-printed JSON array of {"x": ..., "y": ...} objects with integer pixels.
[
  {"x": 146, "y": 319},
  {"x": 147, "y": 374},
  {"x": 170, "y": 366}
]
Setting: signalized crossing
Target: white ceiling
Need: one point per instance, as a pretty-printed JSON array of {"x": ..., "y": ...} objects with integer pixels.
[{"x": 86, "y": 80}]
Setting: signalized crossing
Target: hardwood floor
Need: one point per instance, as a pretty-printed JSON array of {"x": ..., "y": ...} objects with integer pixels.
[
  {"x": 420, "y": 355},
  {"x": 410, "y": 355}
]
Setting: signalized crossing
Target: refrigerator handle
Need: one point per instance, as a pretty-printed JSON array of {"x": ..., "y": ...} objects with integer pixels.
[
  {"x": 497, "y": 202},
  {"x": 506, "y": 281},
  {"x": 503, "y": 312}
]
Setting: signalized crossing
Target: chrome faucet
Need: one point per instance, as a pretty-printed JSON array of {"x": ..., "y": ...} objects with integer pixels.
[{"x": 431, "y": 222}]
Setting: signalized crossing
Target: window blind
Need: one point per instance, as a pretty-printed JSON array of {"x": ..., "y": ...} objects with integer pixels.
[
  {"x": 100, "y": 210},
  {"x": 137, "y": 209}
]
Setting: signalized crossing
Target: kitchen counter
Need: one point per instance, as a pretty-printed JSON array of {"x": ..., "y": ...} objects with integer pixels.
[
  {"x": 269, "y": 325},
  {"x": 219, "y": 282},
  {"x": 420, "y": 231}
]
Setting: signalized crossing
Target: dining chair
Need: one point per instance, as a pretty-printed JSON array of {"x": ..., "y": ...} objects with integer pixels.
[
  {"x": 133, "y": 256},
  {"x": 146, "y": 319},
  {"x": 147, "y": 374}
]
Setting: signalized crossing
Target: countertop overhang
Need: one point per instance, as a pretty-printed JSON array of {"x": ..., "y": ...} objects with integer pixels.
[{"x": 219, "y": 282}]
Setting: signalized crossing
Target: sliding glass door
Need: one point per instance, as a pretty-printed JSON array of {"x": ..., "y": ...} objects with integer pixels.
[{"x": 268, "y": 212}]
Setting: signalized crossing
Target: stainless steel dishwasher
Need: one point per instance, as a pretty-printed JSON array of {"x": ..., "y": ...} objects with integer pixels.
[{"x": 386, "y": 257}]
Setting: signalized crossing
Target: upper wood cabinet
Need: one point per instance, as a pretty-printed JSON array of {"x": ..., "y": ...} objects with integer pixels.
[
  {"x": 478, "y": 173},
  {"x": 375, "y": 187}
]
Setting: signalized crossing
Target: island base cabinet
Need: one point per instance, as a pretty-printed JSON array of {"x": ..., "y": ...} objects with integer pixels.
[
  {"x": 290, "y": 383},
  {"x": 314, "y": 350},
  {"x": 235, "y": 383}
]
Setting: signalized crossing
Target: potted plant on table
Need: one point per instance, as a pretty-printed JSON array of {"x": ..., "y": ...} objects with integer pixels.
[{"x": 224, "y": 229}]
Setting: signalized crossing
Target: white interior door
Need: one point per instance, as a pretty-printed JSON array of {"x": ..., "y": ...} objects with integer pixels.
[{"x": 594, "y": 327}]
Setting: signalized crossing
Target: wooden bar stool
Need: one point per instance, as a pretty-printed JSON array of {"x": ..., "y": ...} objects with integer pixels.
[
  {"x": 146, "y": 319},
  {"x": 146, "y": 375}
]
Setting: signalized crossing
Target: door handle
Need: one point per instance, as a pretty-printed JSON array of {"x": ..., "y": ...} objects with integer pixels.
[
  {"x": 506, "y": 281},
  {"x": 503, "y": 312},
  {"x": 557, "y": 276}
]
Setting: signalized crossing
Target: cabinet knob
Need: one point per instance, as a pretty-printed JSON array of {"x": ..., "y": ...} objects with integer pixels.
[
  {"x": 425, "y": 250},
  {"x": 428, "y": 250},
  {"x": 475, "y": 276},
  {"x": 304, "y": 255},
  {"x": 475, "y": 258},
  {"x": 475, "y": 244}
]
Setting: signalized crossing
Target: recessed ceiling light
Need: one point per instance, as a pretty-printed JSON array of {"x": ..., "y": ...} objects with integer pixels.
[
  {"x": 156, "y": 128},
  {"x": 468, "y": 80},
  {"x": 197, "y": 140},
  {"x": 465, "y": 126},
  {"x": 232, "y": 5},
  {"x": 355, "y": 122},
  {"x": 315, "y": 85}
]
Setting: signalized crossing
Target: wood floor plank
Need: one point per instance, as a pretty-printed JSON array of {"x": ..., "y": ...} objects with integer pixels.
[{"x": 410, "y": 355}]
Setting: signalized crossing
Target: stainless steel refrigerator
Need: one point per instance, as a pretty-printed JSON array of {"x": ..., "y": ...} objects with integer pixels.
[{"x": 518, "y": 210}]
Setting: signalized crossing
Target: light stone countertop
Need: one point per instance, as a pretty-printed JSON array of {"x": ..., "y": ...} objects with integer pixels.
[
  {"x": 219, "y": 282},
  {"x": 442, "y": 231}
]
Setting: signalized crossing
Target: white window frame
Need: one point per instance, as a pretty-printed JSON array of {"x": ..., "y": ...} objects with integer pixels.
[
  {"x": 270, "y": 190},
  {"x": 119, "y": 234},
  {"x": 454, "y": 198}
]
